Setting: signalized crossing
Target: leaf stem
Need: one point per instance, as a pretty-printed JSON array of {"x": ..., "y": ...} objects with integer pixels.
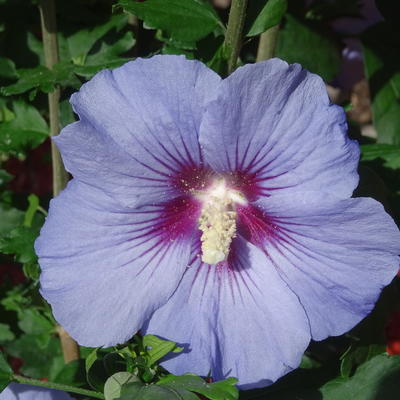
[
  {"x": 58, "y": 386},
  {"x": 233, "y": 36},
  {"x": 60, "y": 176},
  {"x": 50, "y": 47},
  {"x": 267, "y": 43}
]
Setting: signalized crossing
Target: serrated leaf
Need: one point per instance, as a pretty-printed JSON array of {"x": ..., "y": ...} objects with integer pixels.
[
  {"x": 87, "y": 71},
  {"x": 32, "y": 322},
  {"x": 6, "y": 335},
  {"x": 269, "y": 16},
  {"x": 389, "y": 153},
  {"x": 42, "y": 78},
  {"x": 113, "y": 385},
  {"x": 376, "y": 379},
  {"x": 158, "y": 348},
  {"x": 186, "y": 20},
  {"x": 27, "y": 130},
  {"x": 299, "y": 42},
  {"x": 20, "y": 243},
  {"x": 38, "y": 363},
  {"x": 110, "y": 52},
  {"x": 81, "y": 43},
  {"x": 380, "y": 46},
  {"x": 5, "y": 373},
  {"x": 28, "y": 79},
  {"x": 10, "y": 218}
]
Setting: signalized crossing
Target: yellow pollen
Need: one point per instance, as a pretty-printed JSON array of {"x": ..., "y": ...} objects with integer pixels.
[{"x": 218, "y": 222}]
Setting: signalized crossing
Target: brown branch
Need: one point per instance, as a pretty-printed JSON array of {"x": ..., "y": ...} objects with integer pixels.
[{"x": 60, "y": 176}]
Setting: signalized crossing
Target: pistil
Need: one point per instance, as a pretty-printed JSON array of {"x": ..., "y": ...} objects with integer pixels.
[{"x": 218, "y": 222}]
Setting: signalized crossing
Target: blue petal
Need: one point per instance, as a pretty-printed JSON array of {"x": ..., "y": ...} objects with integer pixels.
[
  {"x": 105, "y": 269},
  {"x": 17, "y": 391},
  {"x": 237, "y": 320},
  {"x": 138, "y": 127},
  {"x": 274, "y": 122},
  {"x": 336, "y": 255}
]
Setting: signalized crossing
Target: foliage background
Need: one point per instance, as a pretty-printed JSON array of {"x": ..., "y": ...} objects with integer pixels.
[{"x": 352, "y": 44}]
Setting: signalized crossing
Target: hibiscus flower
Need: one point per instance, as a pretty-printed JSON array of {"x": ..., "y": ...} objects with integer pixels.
[{"x": 214, "y": 213}]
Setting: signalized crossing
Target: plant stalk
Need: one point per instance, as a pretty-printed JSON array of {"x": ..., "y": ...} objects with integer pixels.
[
  {"x": 233, "y": 36},
  {"x": 60, "y": 176},
  {"x": 50, "y": 47},
  {"x": 58, "y": 386},
  {"x": 267, "y": 43}
]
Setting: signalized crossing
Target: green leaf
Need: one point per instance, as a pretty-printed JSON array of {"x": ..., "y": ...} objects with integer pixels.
[
  {"x": 113, "y": 362},
  {"x": 10, "y": 218},
  {"x": 27, "y": 130},
  {"x": 44, "y": 362},
  {"x": 78, "y": 45},
  {"x": 138, "y": 391},
  {"x": 269, "y": 16},
  {"x": 7, "y": 68},
  {"x": 131, "y": 390},
  {"x": 185, "y": 20},
  {"x": 376, "y": 379},
  {"x": 72, "y": 373},
  {"x": 66, "y": 113},
  {"x": 357, "y": 355},
  {"x": 6, "y": 335},
  {"x": 301, "y": 42},
  {"x": 41, "y": 78},
  {"x": 113, "y": 385},
  {"x": 108, "y": 53},
  {"x": 87, "y": 71},
  {"x": 382, "y": 69},
  {"x": 389, "y": 153},
  {"x": 5, "y": 373},
  {"x": 308, "y": 362},
  {"x": 5, "y": 177},
  {"x": 15, "y": 299},
  {"x": 32, "y": 322},
  {"x": 95, "y": 372},
  {"x": 31, "y": 271},
  {"x": 20, "y": 242},
  {"x": 158, "y": 348},
  {"x": 222, "y": 390}
]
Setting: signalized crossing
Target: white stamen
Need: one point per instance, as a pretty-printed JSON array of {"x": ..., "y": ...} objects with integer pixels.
[{"x": 218, "y": 221}]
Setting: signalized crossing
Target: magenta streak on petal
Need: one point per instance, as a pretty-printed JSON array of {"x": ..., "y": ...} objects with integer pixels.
[{"x": 255, "y": 226}]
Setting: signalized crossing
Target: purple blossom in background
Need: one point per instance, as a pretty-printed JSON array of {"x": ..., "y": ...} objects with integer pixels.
[
  {"x": 215, "y": 213},
  {"x": 17, "y": 391}
]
